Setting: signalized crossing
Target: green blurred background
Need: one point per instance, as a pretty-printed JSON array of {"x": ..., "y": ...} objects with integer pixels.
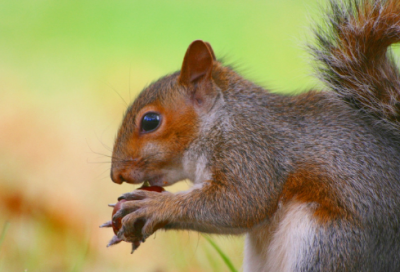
[{"x": 67, "y": 70}]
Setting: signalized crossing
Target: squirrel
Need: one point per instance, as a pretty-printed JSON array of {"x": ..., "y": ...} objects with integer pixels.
[{"x": 313, "y": 180}]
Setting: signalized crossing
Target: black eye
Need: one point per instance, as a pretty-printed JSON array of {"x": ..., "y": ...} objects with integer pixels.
[{"x": 150, "y": 121}]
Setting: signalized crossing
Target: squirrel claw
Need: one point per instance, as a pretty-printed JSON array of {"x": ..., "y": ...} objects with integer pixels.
[
  {"x": 135, "y": 245},
  {"x": 107, "y": 224},
  {"x": 115, "y": 240},
  {"x": 144, "y": 238}
]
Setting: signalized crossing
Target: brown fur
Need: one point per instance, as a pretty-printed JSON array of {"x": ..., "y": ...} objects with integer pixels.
[
  {"x": 311, "y": 185},
  {"x": 178, "y": 128}
]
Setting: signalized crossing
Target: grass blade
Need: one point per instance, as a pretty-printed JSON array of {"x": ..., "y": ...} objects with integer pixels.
[
  {"x": 3, "y": 232},
  {"x": 221, "y": 254}
]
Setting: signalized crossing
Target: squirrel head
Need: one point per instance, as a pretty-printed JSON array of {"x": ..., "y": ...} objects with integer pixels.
[{"x": 162, "y": 122}]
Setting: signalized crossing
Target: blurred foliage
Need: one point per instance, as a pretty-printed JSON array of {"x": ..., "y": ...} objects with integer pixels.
[{"x": 64, "y": 67}]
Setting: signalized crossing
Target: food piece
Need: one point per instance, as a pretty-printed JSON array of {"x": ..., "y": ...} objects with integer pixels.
[
  {"x": 116, "y": 224},
  {"x": 152, "y": 188}
]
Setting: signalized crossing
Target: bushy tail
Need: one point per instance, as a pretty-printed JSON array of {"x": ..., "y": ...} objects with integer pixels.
[{"x": 354, "y": 58}]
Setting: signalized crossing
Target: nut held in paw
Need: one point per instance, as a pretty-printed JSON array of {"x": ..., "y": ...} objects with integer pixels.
[
  {"x": 152, "y": 188},
  {"x": 116, "y": 224}
]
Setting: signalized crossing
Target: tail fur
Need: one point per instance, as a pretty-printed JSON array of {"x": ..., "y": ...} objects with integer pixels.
[{"x": 354, "y": 59}]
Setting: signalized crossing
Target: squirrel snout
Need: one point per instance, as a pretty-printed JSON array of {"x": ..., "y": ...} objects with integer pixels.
[
  {"x": 119, "y": 175},
  {"x": 116, "y": 176}
]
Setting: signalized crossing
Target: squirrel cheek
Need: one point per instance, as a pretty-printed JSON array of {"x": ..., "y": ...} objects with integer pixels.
[{"x": 151, "y": 150}]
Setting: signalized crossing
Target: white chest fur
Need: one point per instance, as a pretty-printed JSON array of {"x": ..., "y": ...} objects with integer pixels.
[{"x": 280, "y": 245}]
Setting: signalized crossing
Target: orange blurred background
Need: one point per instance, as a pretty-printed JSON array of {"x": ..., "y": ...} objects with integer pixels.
[{"x": 68, "y": 69}]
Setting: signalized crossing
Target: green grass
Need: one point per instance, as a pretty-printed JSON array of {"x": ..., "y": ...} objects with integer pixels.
[
  {"x": 2, "y": 237},
  {"x": 3, "y": 233},
  {"x": 220, "y": 252}
]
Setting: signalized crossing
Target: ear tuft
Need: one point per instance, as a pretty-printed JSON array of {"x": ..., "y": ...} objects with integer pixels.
[{"x": 197, "y": 64}]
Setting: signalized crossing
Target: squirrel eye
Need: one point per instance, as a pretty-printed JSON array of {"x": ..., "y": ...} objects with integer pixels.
[{"x": 150, "y": 121}]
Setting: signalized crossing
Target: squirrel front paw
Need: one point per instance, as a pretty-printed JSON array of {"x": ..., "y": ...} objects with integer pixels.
[
  {"x": 141, "y": 215},
  {"x": 116, "y": 225}
]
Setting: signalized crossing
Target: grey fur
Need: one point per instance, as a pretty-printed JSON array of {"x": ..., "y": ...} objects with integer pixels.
[{"x": 253, "y": 141}]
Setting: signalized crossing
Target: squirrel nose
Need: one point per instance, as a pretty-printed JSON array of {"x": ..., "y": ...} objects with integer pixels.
[
  {"x": 116, "y": 176},
  {"x": 119, "y": 175}
]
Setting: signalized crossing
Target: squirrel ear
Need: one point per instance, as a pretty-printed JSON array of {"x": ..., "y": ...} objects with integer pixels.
[
  {"x": 211, "y": 50},
  {"x": 197, "y": 64}
]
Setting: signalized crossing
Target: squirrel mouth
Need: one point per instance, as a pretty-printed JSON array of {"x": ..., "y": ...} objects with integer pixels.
[
  {"x": 154, "y": 181},
  {"x": 145, "y": 184}
]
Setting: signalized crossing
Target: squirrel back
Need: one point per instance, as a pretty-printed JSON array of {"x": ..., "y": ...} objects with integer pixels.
[{"x": 313, "y": 179}]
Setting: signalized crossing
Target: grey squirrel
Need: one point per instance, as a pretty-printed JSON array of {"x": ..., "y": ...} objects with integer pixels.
[{"x": 313, "y": 180}]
